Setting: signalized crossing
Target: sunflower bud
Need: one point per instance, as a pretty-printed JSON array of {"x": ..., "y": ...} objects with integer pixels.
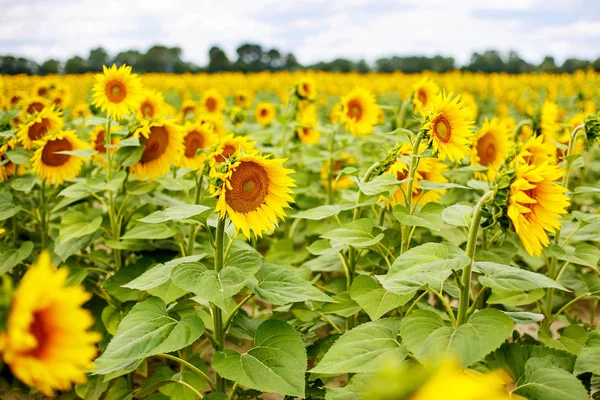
[{"x": 592, "y": 128}]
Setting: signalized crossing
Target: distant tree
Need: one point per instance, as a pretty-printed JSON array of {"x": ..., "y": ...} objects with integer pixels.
[
  {"x": 516, "y": 65},
  {"x": 490, "y": 61},
  {"x": 217, "y": 60},
  {"x": 291, "y": 63},
  {"x": 129, "y": 57},
  {"x": 596, "y": 65},
  {"x": 11, "y": 65},
  {"x": 548, "y": 65},
  {"x": 97, "y": 58},
  {"x": 49, "y": 67},
  {"x": 250, "y": 58},
  {"x": 362, "y": 67},
  {"x": 573, "y": 64},
  {"x": 159, "y": 59},
  {"x": 76, "y": 65}
]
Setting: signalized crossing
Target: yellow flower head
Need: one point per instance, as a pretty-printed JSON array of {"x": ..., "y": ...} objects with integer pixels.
[
  {"x": 336, "y": 112},
  {"x": 213, "y": 102},
  {"x": 307, "y": 121},
  {"x": 151, "y": 105},
  {"x": 117, "y": 91},
  {"x": 359, "y": 112},
  {"x": 163, "y": 146},
  {"x": 449, "y": 128},
  {"x": 424, "y": 93},
  {"x": 231, "y": 144},
  {"x": 48, "y": 344},
  {"x": 80, "y": 110},
  {"x": 31, "y": 105},
  {"x": 196, "y": 136},
  {"x": 189, "y": 108},
  {"x": 7, "y": 169},
  {"x": 536, "y": 204},
  {"x": 306, "y": 89},
  {"x": 243, "y": 98},
  {"x": 53, "y": 166},
  {"x": 265, "y": 113},
  {"x": 37, "y": 126},
  {"x": 550, "y": 122},
  {"x": 253, "y": 192},
  {"x": 470, "y": 104},
  {"x": 491, "y": 147},
  {"x": 536, "y": 152},
  {"x": 342, "y": 182}
]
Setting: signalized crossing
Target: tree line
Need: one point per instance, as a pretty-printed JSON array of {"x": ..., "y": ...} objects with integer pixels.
[{"x": 253, "y": 58}]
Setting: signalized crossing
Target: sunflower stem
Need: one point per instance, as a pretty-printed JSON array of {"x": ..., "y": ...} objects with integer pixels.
[
  {"x": 412, "y": 169},
  {"x": 331, "y": 149},
  {"x": 217, "y": 314},
  {"x": 465, "y": 291},
  {"x": 192, "y": 367},
  {"x": 401, "y": 114},
  {"x": 43, "y": 217},
  {"x": 197, "y": 198}
]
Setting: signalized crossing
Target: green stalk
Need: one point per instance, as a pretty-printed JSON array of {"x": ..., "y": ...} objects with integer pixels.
[
  {"x": 217, "y": 314},
  {"x": 412, "y": 169},
  {"x": 197, "y": 197},
  {"x": 112, "y": 215},
  {"x": 43, "y": 217},
  {"x": 465, "y": 290},
  {"x": 401, "y": 114},
  {"x": 331, "y": 148}
]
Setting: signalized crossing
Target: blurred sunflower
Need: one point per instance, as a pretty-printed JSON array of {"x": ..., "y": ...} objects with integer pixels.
[
  {"x": 117, "y": 91},
  {"x": 307, "y": 121},
  {"x": 40, "y": 124},
  {"x": 243, "y": 98},
  {"x": 52, "y": 166},
  {"x": 359, "y": 113},
  {"x": 536, "y": 152},
  {"x": 7, "y": 168},
  {"x": 536, "y": 204},
  {"x": 80, "y": 110},
  {"x": 336, "y": 112},
  {"x": 196, "y": 137},
  {"x": 253, "y": 192},
  {"x": 151, "y": 104},
  {"x": 98, "y": 142},
  {"x": 189, "y": 108},
  {"x": 306, "y": 89},
  {"x": 229, "y": 145},
  {"x": 449, "y": 128},
  {"x": 213, "y": 102},
  {"x": 470, "y": 104},
  {"x": 47, "y": 344},
  {"x": 163, "y": 145},
  {"x": 338, "y": 182},
  {"x": 550, "y": 122},
  {"x": 491, "y": 146},
  {"x": 32, "y": 105},
  {"x": 424, "y": 93},
  {"x": 264, "y": 113}
]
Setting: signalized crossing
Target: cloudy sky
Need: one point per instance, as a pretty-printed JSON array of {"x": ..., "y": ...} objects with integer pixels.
[{"x": 313, "y": 30}]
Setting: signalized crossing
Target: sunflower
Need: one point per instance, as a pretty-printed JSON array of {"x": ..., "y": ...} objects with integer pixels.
[
  {"x": 32, "y": 105},
  {"x": 55, "y": 167},
  {"x": 470, "y": 103},
  {"x": 549, "y": 122},
  {"x": 491, "y": 146},
  {"x": 359, "y": 112},
  {"x": 40, "y": 124},
  {"x": 243, "y": 98},
  {"x": 42, "y": 89},
  {"x": 229, "y": 145},
  {"x": 47, "y": 344},
  {"x": 336, "y": 112},
  {"x": 196, "y": 136},
  {"x": 15, "y": 98},
  {"x": 306, "y": 89},
  {"x": 565, "y": 136},
  {"x": 7, "y": 169},
  {"x": 3, "y": 102},
  {"x": 265, "y": 113},
  {"x": 151, "y": 105},
  {"x": 163, "y": 145},
  {"x": 341, "y": 182},
  {"x": 81, "y": 110},
  {"x": 307, "y": 121},
  {"x": 424, "y": 93},
  {"x": 98, "y": 141},
  {"x": 117, "y": 91},
  {"x": 189, "y": 108},
  {"x": 213, "y": 102},
  {"x": 536, "y": 204},
  {"x": 253, "y": 192},
  {"x": 449, "y": 128},
  {"x": 380, "y": 116},
  {"x": 536, "y": 152}
]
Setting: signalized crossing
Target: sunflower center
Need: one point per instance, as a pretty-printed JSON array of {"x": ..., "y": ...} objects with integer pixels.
[
  {"x": 193, "y": 141},
  {"x": 486, "y": 149},
  {"x": 14, "y": 100},
  {"x": 35, "y": 107},
  {"x": 402, "y": 175},
  {"x": 40, "y": 330},
  {"x": 99, "y": 144},
  {"x": 249, "y": 187},
  {"x": 422, "y": 96},
  {"x": 306, "y": 87},
  {"x": 211, "y": 104},
  {"x": 188, "y": 110},
  {"x": 42, "y": 91},
  {"x": 442, "y": 129},
  {"x": 147, "y": 109},
  {"x": 115, "y": 91},
  {"x": 156, "y": 144},
  {"x": 227, "y": 152},
  {"x": 264, "y": 112},
  {"x": 50, "y": 156},
  {"x": 355, "y": 110},
  {"x": 38, "y": 129}
]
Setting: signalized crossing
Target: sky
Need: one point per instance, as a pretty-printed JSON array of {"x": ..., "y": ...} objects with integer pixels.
[{"x": 314, "y": 30}]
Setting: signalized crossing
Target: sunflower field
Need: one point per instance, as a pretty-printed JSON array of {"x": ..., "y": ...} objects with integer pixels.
[{"x": 300, "y": 235}]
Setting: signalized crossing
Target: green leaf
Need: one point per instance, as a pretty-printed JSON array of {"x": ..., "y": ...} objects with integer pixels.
[
  {"x": 149, "y": 232},
  {"x": 505, "y": 277},
  {"x": 119, "y": 390},
  {"x": 177, "y": 213},
  {"x": 218, "y": 288},
  {"x": 587, "y": 189},
  {"x": 278, "y": 285},
  {"x": 513, "y": 298},
  {"x": 587, "y": 361},
  {"x": 429, "y": 264},
  {"x": 8, "y": 210},
  {"x": 88, "y": 152},
  {"x": 374, "y": 299},
  {"x": 542, "y": 381},
  {"x": 572, "y": 339},
  {"x": 18, "y": 156},
  {"x": 426, "y": 335},
  {"x": 276, "y": 363},
  {"x": 145, "y": 331},
  {"x": 582, "y": 254},
  {"x": 160, "y": 273},
  {"x": 384, "y": 183},
  {"x": 127, "y": 156},
  {"x": 430, "y": 216},
  {"x": 458, "y": 215},
  {"x": 130, "y": 141},
  {"x": 77, "y": 224},
  {"x": 363, "y": 348},
  {"x": 524, "y": 317},
  {"x": 176, "y": 184},
  {"x": 23, "y": 183},
  {"x": 356, "y": 234},
  {"x": 344, "y": 306},
  {"x": 95, "y": 120},
  {"x": 317, "y": 213},
  {"x": 427, "y": 185},
  {"x": 13, "y": 257},
  {"x": 111, "y": 318},
  {"x": 92, "y": 389}
]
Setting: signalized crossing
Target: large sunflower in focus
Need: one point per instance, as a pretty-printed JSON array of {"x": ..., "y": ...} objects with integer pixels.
[
  {"x": 48, "y": 120},
  {"x": 117, "y": 91},
  {"x": 360, "y": 112},
  {"x": 424, "y": 93},
  {"x": 53, "y": 166},
  {"x": 449, "y": 128},
  {"x": 47, "y": 344},
  {"x": 229, "y": 145},
  {"x": 163, "y": 146},
  {"x": 536, "y": 205},
  {"x": 491, "y": 147},
  {"x": 196, "y": 137},
  {"x": 265, "y": 113},
  {"x": 213, "y": 102},
  {"x": 253, "y": 192}
]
